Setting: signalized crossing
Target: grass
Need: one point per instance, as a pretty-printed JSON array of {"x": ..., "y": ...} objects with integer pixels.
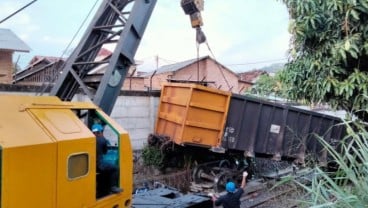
[{"x": 348, "y": 186}]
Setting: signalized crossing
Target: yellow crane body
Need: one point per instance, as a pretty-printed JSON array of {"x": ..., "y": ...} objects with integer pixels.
[{"x": 48, "y": 155}]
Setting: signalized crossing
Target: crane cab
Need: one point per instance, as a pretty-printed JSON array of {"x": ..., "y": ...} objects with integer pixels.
[{"x": 48, "y": 154}]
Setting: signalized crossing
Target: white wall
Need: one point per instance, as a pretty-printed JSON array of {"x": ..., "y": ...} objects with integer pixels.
[{"x": 137, "y": 114}]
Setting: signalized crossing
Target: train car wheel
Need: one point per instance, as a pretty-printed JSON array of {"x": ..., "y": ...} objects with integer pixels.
[
  {"x": 220, "y": 182},
  {"x": 197, "y": 172},
  {"x": 224, "y": 164}
]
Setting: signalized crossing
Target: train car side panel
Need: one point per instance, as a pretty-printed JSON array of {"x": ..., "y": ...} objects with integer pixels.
[
  {"x": 257, "y": 126},
  {"x": 192, "y": 114}
]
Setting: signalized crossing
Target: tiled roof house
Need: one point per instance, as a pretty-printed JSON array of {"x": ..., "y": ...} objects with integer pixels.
[
  {"x": 9, "y": 43},
  {"x": 40, "y": 70},
  {"x": 204, "y": 69}
]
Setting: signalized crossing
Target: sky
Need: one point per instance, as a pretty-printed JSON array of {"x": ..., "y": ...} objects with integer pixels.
[{"x": 242, "y": 34}]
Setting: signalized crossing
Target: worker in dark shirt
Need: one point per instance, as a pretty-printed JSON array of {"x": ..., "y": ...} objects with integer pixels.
[
  {"x": 103, "y": 166},
  {"x": 232, "y": 198}
]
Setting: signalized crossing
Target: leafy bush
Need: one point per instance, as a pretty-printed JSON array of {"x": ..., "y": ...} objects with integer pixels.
[{"x": 152, "y": 156}]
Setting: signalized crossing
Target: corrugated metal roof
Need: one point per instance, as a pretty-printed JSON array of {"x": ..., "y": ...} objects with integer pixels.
[{"x": 9, "y": 41}]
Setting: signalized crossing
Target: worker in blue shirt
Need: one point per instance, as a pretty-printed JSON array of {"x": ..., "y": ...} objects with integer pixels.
[
  {"x": 232, "y": 198},
  {"x": 102, "y": 165}
]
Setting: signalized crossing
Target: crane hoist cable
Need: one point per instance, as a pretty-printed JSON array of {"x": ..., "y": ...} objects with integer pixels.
[
  {"x": 201, "y": 38},
  {"x": 218, "y": 65}
]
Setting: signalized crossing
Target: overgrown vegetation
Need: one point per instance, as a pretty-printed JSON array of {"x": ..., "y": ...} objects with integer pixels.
[
  {"x": 267, "y": 85},
  {"x": 152, "y": 156},
  {"x": 329, "y": 56},
  {"x": 348, "y": 186},
  {"x": 328, "y": 63}
]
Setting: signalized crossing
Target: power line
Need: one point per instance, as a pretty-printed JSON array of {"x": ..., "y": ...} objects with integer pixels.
[
  {"x": 168, "y": 60},
  {"x": 258, "y": 62},
  {"x": 79, "y": 29},
  {"x": 43, "y": 89},
  {"x": 14, "y": 13},
  {"x": 247, "y": 63}
]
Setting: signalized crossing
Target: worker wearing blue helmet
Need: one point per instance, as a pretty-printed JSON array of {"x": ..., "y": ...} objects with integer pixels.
[
  {"x": 102, "y": 166},
  {"x": 97, "y": 128},
  {"x": 232, "y": 198}
]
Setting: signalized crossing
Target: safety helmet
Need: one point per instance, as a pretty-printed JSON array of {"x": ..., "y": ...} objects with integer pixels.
[
  {"x": 230, "y": 187},
  {"x": 97, "y": 128}
]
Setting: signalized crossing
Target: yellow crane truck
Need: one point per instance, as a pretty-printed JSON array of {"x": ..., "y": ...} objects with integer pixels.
[
  {"x": 47, "y": 150},
  {"x": 48, "y": 155}
]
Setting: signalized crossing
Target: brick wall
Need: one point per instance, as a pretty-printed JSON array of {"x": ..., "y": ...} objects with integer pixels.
[
  {"x": 210, "y": 71},
  {"x": 157, "y": 80},
  {"x": 134, "y": 83},
  {"x": 6, "y": 67},
  {"x": 225, "y": 80},
  {"x": 193, "y": 72},
  {"x": 206, "y": 70}
]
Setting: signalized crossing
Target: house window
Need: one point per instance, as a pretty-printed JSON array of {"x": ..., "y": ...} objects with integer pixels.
[{"x": 78, "y": 165}]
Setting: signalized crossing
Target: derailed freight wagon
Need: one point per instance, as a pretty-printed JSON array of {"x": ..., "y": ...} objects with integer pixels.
[
  {"x": 260, "y": 127},
  {"x": 239, "y": 126}
]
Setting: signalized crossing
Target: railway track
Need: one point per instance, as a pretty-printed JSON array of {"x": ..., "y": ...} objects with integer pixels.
[
  {"x": 287, "y": 195},
  {"x": 270, "y": 198},
  {"x": 259, "y": 193}
]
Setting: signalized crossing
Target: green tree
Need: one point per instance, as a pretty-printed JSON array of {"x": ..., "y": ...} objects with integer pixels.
[
  {"x": 267, "y": 85},
  {"x": 329, "y": 54}
]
